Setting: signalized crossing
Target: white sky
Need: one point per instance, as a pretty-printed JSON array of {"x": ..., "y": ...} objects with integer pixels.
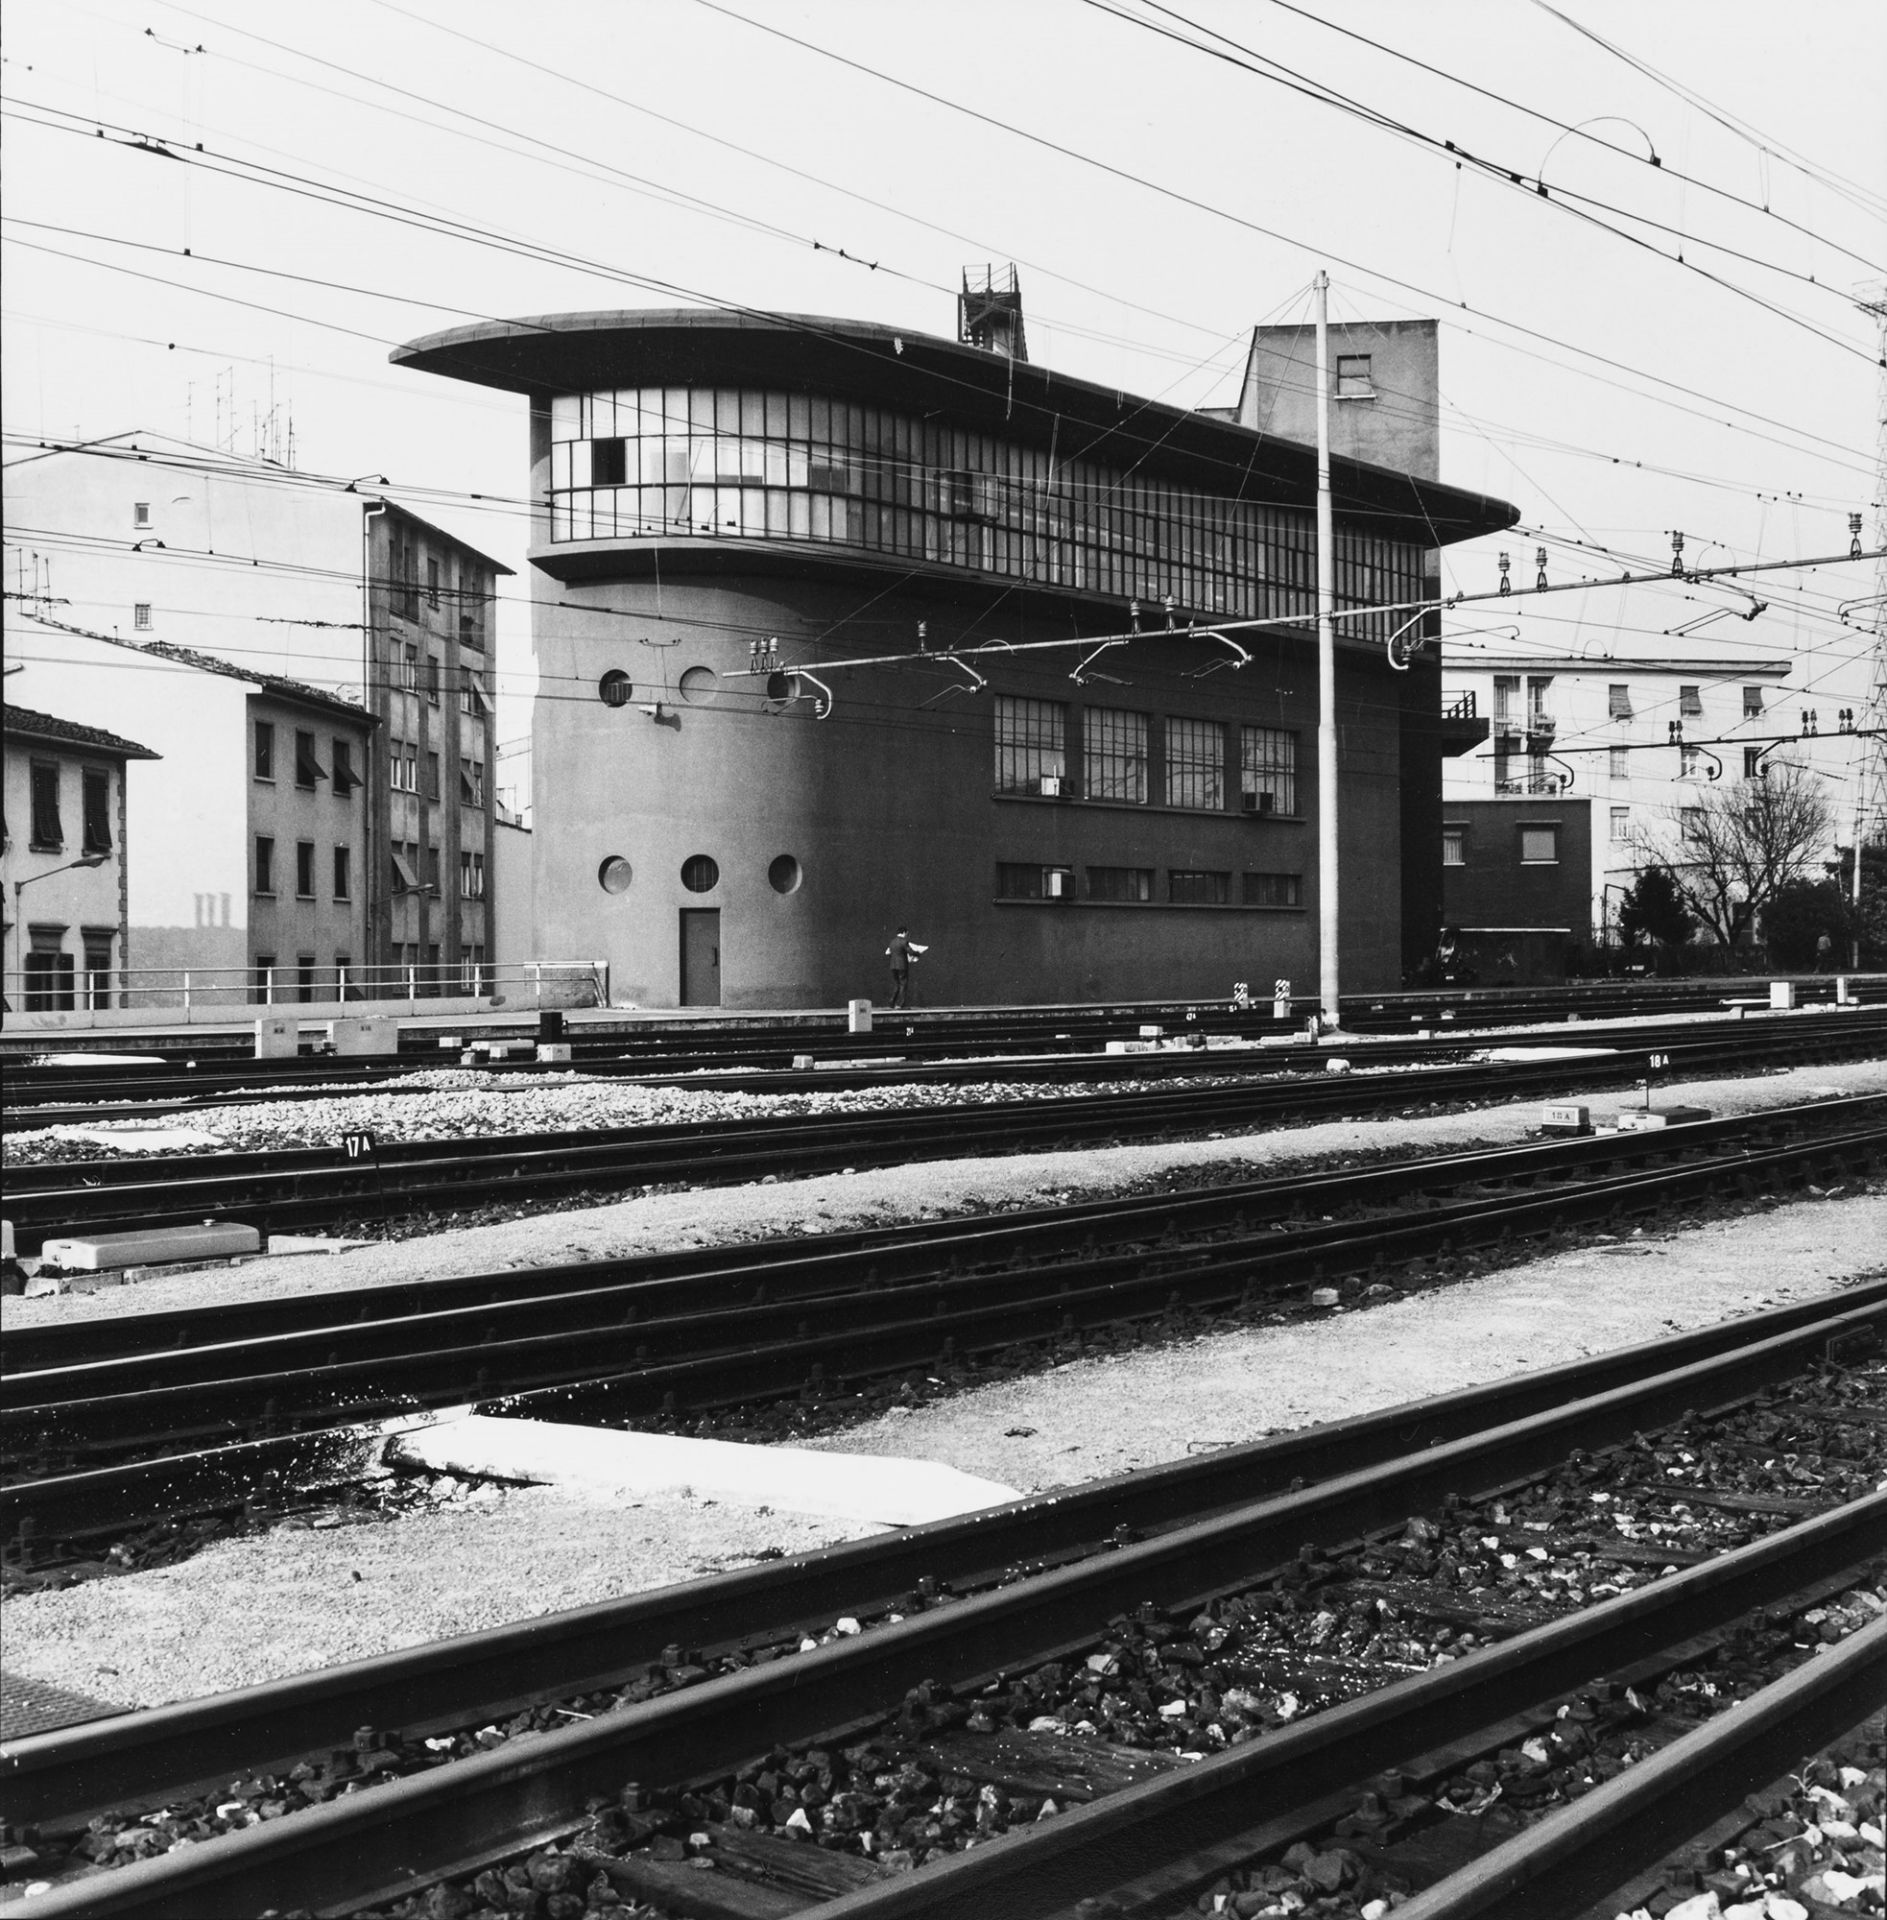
[{"x": 1763, "y": 458}]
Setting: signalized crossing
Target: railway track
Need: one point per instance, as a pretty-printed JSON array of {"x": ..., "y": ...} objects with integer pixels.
[
  {"x": 1218, "y": 1672},
  {"x": 320, "y": 1188},
  {"x": 108, "y": 1424},
  {"x": 180, "y": 1077}
]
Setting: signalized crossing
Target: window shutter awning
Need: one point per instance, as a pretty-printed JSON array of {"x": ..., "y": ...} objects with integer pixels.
[{"x": 405, "y": 880}]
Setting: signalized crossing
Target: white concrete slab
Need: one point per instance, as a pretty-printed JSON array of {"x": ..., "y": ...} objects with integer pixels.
[
  {"x": 143, "y": 1139},
  {"x": 94, "y": 1253},
  {"x": 790, "y": 1479}
]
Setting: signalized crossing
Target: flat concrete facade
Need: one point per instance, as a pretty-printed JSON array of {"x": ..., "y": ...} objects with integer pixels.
[
  {"x": 738, "y": 798},
  {"x": 195, "y": 898},
  {"x": 64, "y": 877},
  {"x": 1385, "y": 378},
  {"x": 1514, "y": 885}
]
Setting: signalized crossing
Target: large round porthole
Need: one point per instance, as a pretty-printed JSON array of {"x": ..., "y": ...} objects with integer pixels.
[
  {"x": 614, "y": 875},
  {"x": 784, "y": 875},
  {"x": 699, "y": 874},
  {"x": 699, "y": 685},
  {"x": 614, "y": 688}
]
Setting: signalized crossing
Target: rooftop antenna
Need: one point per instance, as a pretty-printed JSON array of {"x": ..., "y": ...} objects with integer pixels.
[{"x": 989, "y": 311}]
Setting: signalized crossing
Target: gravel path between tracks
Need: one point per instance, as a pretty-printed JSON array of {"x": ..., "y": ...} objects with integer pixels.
[{"x": 255, "y": 1608}]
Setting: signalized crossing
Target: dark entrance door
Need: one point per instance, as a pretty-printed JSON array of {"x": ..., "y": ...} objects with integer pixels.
[{"x": 701, "y": 956}]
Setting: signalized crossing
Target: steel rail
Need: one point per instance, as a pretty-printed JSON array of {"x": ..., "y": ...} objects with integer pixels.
[
  {"x": 490, "y": 1675},
  {"x": 843, "y": 1060},
  {"x": 1560, "y": 1867},
  {"x": 314, "y": 1186},
  {"x": 1145, "y": 1848},
  {"x": 798, "y": 1266},
  {"x": 630, "y": 1364},
  {"x": 388, "y": 1841}
]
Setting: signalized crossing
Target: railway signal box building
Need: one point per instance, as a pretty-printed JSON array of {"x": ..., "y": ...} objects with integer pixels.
[{"x": 817, "y": 611}]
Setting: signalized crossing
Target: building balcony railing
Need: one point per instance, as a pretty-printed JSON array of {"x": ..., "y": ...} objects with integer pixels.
[
  {"x": 231, "y": 993},
  {"x": 1534, "y": 783}
]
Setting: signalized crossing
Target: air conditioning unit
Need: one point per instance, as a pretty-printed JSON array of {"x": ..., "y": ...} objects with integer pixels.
[
  {"x": 1265, "y": 802},
  {"x": 1049, "y": 786}
]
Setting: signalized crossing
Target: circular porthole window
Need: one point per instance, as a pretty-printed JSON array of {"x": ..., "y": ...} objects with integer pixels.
[
  {"x": 699, "y": 874},
  {"x": 614, "y": 875},
  {"x": 699, "y": 685},
  {"x": 784, "y": 875},
  {"x": 614, "y": 688}
]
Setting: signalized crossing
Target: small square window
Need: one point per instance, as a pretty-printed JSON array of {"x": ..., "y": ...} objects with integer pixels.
[
  {"x": 140, "y": 513},
  {"x": 1621, "y": 823},
  {"x": 1353, "y": 381},
  {"x": 1618, "y": 702},
  {"x": 1621, "y": 763},
  {"x": 1690, "y": 702},
  {"x": 1454, "y": 846},
  {"x": 141, "y": 616},
  {"x": 1752, "y": 703},
  {"x": 1539, "y": 846},
  {"x": 1752, "y": 763}
]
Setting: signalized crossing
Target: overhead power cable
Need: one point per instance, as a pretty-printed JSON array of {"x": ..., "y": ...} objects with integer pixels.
[
  {"x": 1207, "y": 207},
  {"x": 1244, "y": 59}
]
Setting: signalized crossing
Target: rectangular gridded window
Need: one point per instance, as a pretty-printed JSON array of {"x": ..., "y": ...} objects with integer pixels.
[
  {"x": 432, "y": 583},
  {"x": 1120, "y": 883},
  {"x": 1621, "y": 823},
  {"x": 1015, "y": 881},
  {"x": 1618, "y": 701},
  {"x": 1690, "y": 702},
  {"x": 1506, "y": 695},
  {"x": 1189, "y": 887},
  {"x": 1621, "y": 763},
  {"x": 304, "y": 870},
  {"x": 1195, "y": 763},
  {"x": 1752, "y": 763},
  {"x": 308, "y": 767},
  {"x": 141, "y": 616},
  {"x": 1539, "y": 846},
  {"x": 345, "y": 779},
  {"x": 1752, "y": 703},
  {"x": 265, "y": 750},
  {"x": 1114, "y": 758},
  {"x": 1687, "y": 763},
  {"x": 47, "y": 830},
  {"x": 1454, "y": 846},
  {"x": 1267, "y": 770},
  {"x": 265, "y": 864},
  {"x": 1353, "y": 381},
  {"x": 1274, "y": 889},
  {"x": 1030, "y": 737},
  {"x": 95, "y": 788}
]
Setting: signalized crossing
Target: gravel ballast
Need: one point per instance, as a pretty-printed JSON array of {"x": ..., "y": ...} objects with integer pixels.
[{"x": 264, "y": 1606}]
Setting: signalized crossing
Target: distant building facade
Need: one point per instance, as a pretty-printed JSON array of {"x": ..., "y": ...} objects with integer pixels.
[
  {"x": 731, "y": 509},
  {"x": 1638, "y": 740},
  {"x": 252, "y": 827},
  {"x": 1516, "y": 887},
  {"x": 65, "y": 830},
  {"x": 153, "y": 539}
]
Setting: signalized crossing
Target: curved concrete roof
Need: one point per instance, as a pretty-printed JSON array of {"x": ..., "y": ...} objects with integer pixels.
[{"x": 976, "y": 390}]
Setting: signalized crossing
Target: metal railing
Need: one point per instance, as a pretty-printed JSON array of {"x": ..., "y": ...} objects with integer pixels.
[{"x": 226, "y": 991}]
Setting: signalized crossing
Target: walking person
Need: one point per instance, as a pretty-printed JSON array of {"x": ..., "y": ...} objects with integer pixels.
[
  {"x": 902, "y": 951},
  {"x": 1824, "y": 951}
]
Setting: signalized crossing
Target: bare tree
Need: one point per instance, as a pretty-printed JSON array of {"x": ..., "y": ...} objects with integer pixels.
[{"x": 1736, "y": 844}]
